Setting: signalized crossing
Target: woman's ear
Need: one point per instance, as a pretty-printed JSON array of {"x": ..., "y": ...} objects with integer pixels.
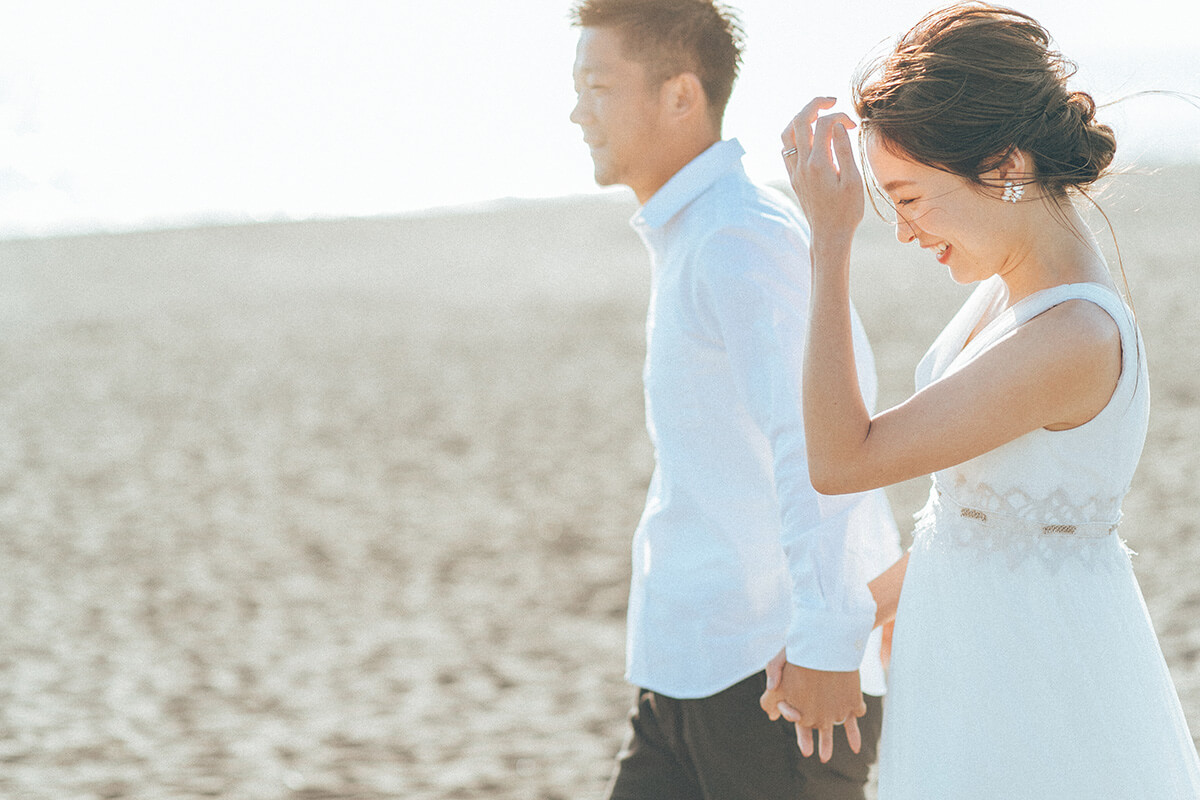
[
  {"x": 1017, "y": 167},
  {"x": 1009, "y": 178}
]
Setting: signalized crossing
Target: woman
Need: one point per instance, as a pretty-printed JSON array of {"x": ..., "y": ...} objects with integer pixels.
[{"x": 1024, "y": 664}]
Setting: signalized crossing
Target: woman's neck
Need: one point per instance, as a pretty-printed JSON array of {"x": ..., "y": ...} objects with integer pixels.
[{"x": 1058, "y": 249}]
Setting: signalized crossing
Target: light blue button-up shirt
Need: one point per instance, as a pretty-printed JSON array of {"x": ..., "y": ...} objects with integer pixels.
[{"x": 736, "y": 554}]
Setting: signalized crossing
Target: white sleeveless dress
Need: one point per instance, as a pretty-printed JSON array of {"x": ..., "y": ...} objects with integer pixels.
[{"x": 1024, "y": 663}]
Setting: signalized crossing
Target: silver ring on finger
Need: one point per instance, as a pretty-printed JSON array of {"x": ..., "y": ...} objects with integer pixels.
[
  {"x": 840, "y": 722},
  {"x": 791, "y": 151}
]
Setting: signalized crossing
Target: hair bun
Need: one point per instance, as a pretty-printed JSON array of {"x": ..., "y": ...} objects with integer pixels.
[
  {"x": 1093, "y": 143},
  {"x": 1082, "y": 104}
]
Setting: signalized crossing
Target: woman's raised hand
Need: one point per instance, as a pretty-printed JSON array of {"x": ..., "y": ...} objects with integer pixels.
[{"x": 820, "y": 164}]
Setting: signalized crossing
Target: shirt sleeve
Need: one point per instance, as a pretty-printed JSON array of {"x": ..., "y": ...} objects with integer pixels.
[{"x": 752, "y": 291}]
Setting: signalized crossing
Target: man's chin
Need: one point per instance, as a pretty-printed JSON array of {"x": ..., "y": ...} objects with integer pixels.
[{"x": 605, "y": 176}]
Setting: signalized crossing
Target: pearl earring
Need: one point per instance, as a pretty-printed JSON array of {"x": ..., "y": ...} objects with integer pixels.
[{"x": 1013, "y": 191}]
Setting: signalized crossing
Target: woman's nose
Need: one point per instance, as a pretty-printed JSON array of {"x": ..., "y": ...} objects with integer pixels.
[{"x": 905, "y": 230}]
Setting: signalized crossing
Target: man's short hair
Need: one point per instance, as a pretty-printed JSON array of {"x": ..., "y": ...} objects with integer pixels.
[{"x": 670, "y": 37}]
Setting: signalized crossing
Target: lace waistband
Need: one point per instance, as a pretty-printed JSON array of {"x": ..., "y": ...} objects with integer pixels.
[
  {"x": 943, "y": 505},
  {"x": 946, "y": 524}
]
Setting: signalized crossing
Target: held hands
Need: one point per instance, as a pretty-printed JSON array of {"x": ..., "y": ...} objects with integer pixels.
[
  {"x": 814, "y": 699},
  {"x": 820, "y": 164}
]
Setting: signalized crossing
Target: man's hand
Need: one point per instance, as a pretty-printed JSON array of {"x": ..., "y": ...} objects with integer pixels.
[{"x": 814, "y": 699}]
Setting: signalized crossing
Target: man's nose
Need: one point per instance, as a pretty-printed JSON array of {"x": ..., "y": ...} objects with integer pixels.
[{"x": 578, "y": 113}]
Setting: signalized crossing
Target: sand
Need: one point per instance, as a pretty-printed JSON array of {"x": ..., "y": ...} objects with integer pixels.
[{"x": 342, "y": 509}]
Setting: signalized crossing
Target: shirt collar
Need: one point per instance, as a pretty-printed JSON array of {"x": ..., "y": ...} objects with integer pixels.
[{"x": 689, "y": 183}]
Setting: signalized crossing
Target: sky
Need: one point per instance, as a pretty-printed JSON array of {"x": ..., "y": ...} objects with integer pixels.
[{"x": 148, "y": 113}]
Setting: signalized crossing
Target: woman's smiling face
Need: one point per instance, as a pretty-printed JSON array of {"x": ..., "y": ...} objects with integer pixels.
[{"x": 959, "y": 222}]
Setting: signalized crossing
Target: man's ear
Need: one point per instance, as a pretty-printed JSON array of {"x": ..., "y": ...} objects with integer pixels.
[{"x": 683, "y": 95}]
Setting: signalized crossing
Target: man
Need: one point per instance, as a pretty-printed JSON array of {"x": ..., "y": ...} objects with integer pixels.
[{"x": 736, "y": 556}]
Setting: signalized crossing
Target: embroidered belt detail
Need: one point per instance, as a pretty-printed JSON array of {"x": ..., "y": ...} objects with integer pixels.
[
  {"x": 1016, "y": 535},
  {"x": 942, "y": 502}
]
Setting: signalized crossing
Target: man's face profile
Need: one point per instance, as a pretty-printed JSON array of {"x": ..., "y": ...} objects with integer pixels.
[{"x": 617, "y": 110}]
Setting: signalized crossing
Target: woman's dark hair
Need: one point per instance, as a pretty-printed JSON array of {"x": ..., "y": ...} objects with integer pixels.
[{"x": 970, "y": 82}]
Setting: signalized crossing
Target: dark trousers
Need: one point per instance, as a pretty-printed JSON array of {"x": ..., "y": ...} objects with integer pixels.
[{"x": 724, "y": 747}]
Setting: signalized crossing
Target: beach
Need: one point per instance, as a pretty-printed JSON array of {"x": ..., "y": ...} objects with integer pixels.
[{"x": 342, "y": 509}]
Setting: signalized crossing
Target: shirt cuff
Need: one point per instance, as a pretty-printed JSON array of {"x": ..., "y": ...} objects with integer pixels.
[{"x": 831, "y": 641}]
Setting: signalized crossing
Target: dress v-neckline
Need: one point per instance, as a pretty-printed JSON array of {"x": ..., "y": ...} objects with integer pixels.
[
  {"x": 970, "y": 342},
  {"x": 980, "y": 327},
  {"x": 974, "y": 333}
]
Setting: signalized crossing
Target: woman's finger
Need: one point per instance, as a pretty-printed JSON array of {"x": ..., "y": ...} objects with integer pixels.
[
  {"x": 798, "y": 133},
  {"x": 825, "y": 134},
  {"x": 774, "y": 669},
  {"x": 844, "y": 153}
]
